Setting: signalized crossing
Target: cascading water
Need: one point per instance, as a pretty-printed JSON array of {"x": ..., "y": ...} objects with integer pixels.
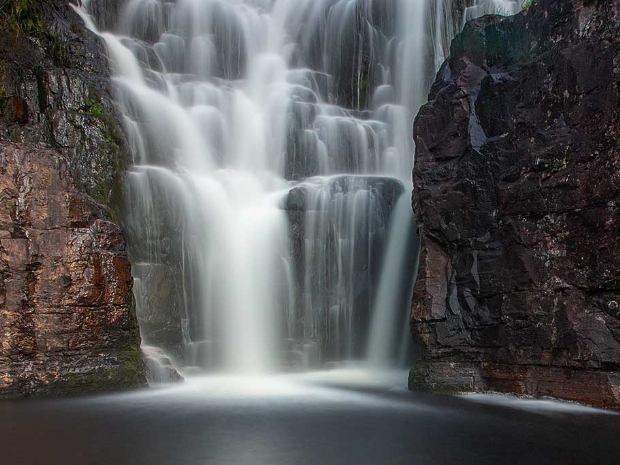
[
  {"x": 268, "y": 207},
  {"x": 478, "y": 8}
]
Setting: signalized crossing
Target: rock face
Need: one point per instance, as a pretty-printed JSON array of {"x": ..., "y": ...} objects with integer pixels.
[
  {"x": 517, "y": 181},
  {"x": 66, "y": 314},
  {"x": 67, "y": 322},
  {"x": 55, "y": 88}
]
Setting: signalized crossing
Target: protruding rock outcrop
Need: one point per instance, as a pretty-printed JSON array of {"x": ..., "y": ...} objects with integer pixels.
[{"x": 517, "y": 181}]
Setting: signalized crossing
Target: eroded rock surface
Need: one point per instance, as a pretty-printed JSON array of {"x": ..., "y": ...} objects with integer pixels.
[{"x": 517, "y": 181}]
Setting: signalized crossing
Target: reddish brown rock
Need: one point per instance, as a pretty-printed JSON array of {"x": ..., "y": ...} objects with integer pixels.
[
  {"x": 517, "y": 181},
  {"x": 66, "y": 306},
  {"x": 67, "y": 323}
]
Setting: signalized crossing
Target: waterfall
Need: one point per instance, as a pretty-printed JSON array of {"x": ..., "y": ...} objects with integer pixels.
[
  {"x": 268, "y": 206},
  {"x": 478, "y": 8},
  {"x": 394, "y": 288}
]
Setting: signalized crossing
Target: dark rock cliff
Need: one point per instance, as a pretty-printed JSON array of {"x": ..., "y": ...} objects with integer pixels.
[
  {"x": 517, "y": 181},
  {"x": 55, "y": 89},
  {"x": 67, "y": 316}
]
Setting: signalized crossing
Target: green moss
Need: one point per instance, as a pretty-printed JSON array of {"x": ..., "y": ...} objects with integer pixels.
[
  {"x": 95, "y": 111},
  {"x": 112, "y": 193},
  {"x": 109, "y": 191},
  {"x": 21, "y": 18},
  {"x": 525, "y": 4},
  {"x": 128, "y": 373},
  {"x": 131, "y": 370},
  {"x": 416, "y": 381},
  {"x": 78, "y": 29},
  {"x": 93, "y": 108}
]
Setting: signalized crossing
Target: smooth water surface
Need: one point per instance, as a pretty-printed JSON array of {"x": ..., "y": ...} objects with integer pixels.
[{"x": 340, "y": 417}]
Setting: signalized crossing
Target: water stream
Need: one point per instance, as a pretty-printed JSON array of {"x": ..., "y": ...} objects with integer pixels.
[{"x": 268, "y": 207}]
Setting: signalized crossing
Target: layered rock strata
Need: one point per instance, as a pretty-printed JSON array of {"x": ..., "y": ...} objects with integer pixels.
[
  {"x": 517, "y": 181},
  {"x": 67, "y": 320},
  {"x": 66, "y": 311}
]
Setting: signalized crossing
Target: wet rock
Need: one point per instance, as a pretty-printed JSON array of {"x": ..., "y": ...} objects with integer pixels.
[
  {"x": 516, "y": 186},
  {"x": 67, "y": 317},
  {"x": 159, "y": 367},
  {"x": 296, "y": 199},
  {"x": 55, "y": 88},
  {"x": 67, "y": 323},
  {"x": 159, "y": 289}
]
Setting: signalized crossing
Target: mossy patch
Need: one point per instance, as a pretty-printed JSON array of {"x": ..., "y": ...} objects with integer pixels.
[
  {"x": 129, "y": 372},
  {"x": 112, "y": 193},
  {"x": 21, "y": 17},
  {"x": 93, "y": 105},
  {"x": 525, "y": 4},
  {"x": 93, "y": 108}
]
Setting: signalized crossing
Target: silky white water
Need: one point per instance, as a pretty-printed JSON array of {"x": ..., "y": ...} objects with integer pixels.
[{"x": 271, "y": 181}]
